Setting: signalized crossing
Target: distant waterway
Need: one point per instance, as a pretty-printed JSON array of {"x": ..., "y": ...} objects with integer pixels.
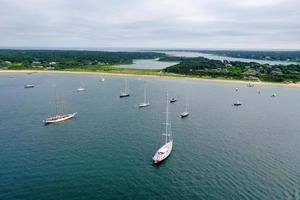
[
  {"x": 148, "y": 64},
  {"x": 217, "y": 57}
]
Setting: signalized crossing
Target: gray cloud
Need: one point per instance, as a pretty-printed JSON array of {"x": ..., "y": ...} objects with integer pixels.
[{"x": 247, "y": 24}]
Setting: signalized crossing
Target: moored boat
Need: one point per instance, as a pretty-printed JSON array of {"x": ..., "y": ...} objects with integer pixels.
[
  {"x": 237, "y": 103},
  {"x": 29, "y": 86},
  {"x": 81, "y": 88},
  {"x": 185, "y": 113},
  {"x": 145, "y": 103},
  {"x": 125, "y": 93},
  {"x": 164, "y": 151},
  {"x": 59, "y": 118},
  {"x": 173, "y": 100}
]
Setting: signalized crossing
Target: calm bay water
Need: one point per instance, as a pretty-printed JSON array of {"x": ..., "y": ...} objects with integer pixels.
[
  {"x": 220, "y": 151},
  {"x": 217, "y": 57},
  {"x": 148, "y": 64}
]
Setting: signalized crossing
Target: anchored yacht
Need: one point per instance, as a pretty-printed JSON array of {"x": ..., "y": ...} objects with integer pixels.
[{"x": 163, "y": 152}]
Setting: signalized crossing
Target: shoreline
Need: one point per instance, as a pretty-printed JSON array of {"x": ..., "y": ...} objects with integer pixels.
[{"x": 166, "y": 76}]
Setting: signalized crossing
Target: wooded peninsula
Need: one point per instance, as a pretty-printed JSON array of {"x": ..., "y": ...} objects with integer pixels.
[{"x": 101, "y": 61}]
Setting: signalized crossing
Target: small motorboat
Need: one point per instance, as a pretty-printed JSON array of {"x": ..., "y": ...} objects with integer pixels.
[
  {"x": 29, "y": 86},
  {"x": 184, "y": 114},
  {"x": 238, "y": 103},
  {"x": 274, "y": 95},
  {"x": 173, "y": 100}
]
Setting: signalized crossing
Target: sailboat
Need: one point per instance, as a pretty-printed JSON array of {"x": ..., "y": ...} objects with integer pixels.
[
  {"x": 145, "y": 103},
  {"x": 163, "y": 152},
  {"x": 59, "y": 117},
  {"x": 274, "y": 95},
  {"x": 29, "y": 86},
  {"x": 237, "y": 103},
  {"x": 125, "y": 93},
  {"x": 173, "y": 100},
  {"x": 185, "y": 113},
  {"x": 81, "y": 88}
]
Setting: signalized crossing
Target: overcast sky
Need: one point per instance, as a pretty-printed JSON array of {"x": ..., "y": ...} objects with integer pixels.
[{"x": 246, "y": 24}]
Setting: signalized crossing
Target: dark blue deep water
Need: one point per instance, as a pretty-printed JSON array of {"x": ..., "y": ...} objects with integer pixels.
[{"x": 220, "y": 151}]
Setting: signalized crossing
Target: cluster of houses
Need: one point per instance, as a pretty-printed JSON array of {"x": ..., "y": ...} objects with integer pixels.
[
  {"x": 34, "y": 64},
  {"x": 38, "y": 64}
]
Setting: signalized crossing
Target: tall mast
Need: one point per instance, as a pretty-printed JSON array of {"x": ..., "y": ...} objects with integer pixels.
[
  {"x": 144, "y": 95},
  {"x": 167, "y": 118},
  {"x": 186, "y": 104},
  {"x": 55, "y": 101},
  {"x": 125, "y": 86}
]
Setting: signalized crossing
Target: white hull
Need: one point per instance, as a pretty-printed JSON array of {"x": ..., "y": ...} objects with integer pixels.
[
  {"x": 80, "y": 89},
  {"x": 144, "y": 105},
  {"x": 163, "y": 152},
  {"x": 184, "y": 114},
  {"x": 29, "y": 86},
  {"x": 124, "y": 95},
  {"x": 59, "y": 118}
]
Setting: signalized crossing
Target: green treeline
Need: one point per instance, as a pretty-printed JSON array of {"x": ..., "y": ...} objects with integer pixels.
[
  {"x": 104, "y": 61},
  {"x": 66, "y": 58},
  {"x": 204, "y": 67},
  {"x": 293, "y": 56}
]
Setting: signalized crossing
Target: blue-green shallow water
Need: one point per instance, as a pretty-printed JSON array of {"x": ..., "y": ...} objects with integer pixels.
[{"x": 220, "y": 151}]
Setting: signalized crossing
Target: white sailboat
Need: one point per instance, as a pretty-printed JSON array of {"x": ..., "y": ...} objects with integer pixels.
[
  {"x": 163, "y": 152},
  {"x": 125, "y": 93},
  {"x": 81, "y": 88},
  {"x": 29, "y": 86},
  {"x": 185, "y": 113},
  {"x": 145, "y": 103},
  {"x": 59, "y": 117}
]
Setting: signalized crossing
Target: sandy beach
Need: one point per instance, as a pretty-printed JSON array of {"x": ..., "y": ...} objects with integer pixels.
[{"x": 166, "y": 76}]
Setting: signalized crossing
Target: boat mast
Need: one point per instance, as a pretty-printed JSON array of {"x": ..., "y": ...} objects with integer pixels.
[
  {"x": 125, "y": 85},
  {"x": 186, "y": 104},
  {"x": 144, "y": 95},
  {"x": 167, "y": 118},
  {"x": 55, "y": 101}
]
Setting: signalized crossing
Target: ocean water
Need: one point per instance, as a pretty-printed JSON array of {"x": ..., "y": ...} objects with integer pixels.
[{"x": 220, "y": 151}]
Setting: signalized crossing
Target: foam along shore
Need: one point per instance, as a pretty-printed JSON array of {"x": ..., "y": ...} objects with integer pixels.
[{"x": 156, "y": 75}]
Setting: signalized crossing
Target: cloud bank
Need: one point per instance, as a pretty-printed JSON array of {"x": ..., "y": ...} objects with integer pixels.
[{"x": 247, "y": 24}]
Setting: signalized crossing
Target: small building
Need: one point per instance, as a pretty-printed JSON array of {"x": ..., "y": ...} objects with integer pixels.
[{"x": 52, "y": 63}]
